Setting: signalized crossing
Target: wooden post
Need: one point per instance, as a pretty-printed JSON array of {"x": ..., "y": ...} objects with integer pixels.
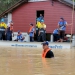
[{"x": 72, "y": 22}]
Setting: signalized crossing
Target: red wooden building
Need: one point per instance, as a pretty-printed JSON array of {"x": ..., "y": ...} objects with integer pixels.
[{"x": 24, "y": 13}]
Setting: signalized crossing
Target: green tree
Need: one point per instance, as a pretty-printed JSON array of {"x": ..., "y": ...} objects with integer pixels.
[{"x": 5, "y": 4}]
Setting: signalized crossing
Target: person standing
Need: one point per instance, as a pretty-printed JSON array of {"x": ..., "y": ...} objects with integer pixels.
[
  {"x": 42, "y": 32},
  {"x": 41, "y": 35},
  {"x": 40, "y": 18},
  {"x": 36, "y": 34},
  {"x": 31, "y": 32},
  {"x": 38, "y": 26},
  {"x": 3, "y": 28},
  {"x": 44, "y": 27},
  {"x": 47, "y": 53},
  {"x": 62, "y": 28},
  {"x": 9, "y": 31}
]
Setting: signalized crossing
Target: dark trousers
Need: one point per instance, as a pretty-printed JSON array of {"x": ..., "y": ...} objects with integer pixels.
[
  {"x": 2, "y": 35},
  {"x": 37, "y": 35},
  {"x": 56, "y": 37},
  {"x": 45, "y": 35},
  {"x": 9, "y": 36},
  {"x": 41, "y": 37},
  {"x": 62, "y": 34},
  {"x": 31, "y": 39}
]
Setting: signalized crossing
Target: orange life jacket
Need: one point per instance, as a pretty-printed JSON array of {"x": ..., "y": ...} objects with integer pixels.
[
  {"x": 31, "y": 28},
  {"x": 11, "y": 27},
  {"x": 45, "y": 52}
]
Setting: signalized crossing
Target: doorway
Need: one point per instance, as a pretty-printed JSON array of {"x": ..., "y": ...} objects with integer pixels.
[{"x": 38, "y": 12}]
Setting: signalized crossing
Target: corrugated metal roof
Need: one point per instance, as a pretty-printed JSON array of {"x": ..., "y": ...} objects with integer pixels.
[{"x": 67, "y": 2}]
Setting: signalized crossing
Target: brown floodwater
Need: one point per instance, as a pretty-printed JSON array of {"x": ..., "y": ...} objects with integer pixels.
[{"x": 28, "y": 61}]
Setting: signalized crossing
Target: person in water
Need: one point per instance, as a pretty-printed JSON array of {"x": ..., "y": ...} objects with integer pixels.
[{"x": 47, "y": 53}]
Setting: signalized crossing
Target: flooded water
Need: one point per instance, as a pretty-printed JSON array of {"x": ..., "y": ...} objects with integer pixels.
[{"x": 28, "y": 61}]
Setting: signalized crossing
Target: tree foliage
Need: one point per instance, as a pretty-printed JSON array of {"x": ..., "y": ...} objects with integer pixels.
[{"x": 5, "y": 4}]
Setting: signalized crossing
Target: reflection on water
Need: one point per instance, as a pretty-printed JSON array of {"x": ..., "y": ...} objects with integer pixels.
[{"x": 21, "y": 61}]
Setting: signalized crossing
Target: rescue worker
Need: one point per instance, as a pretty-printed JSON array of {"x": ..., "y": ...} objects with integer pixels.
[
  {"x": 42, "y": 32},
  {"x": 47, "y": 53},
  {"x": 3, "y": 28},
  {"x": 36, "y": 35},
  {"x": 38, "y": 26},
  {"x": 56, "y": 36},
  {"x": 20, "y": 37},
  {"x": 41, "y": 35},
  {"x": 31, "y": 32},
  {"x": 40, "y": 18},
  {"x": 9, "y": 31},
  {"x": 44, "y": 27},
  {"x": 62, "y": 27}
]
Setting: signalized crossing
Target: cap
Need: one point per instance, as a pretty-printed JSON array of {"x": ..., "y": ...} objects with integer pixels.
[
  {"x": 42, "y": 20},
  {"x": 19, "y": 31},
  {"x": 45, "y": 43},
  {"x": 38, "y": 19}
]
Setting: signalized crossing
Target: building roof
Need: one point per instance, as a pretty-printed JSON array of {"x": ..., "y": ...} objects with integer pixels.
[{"x": 67, "y": 2}]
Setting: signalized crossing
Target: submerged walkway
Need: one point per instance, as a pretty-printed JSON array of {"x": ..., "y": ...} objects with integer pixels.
[{"x": 55, "y": 45}]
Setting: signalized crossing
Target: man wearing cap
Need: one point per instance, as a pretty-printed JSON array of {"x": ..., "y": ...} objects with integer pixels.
[
  {"x": 31, "y": 32},
  {"x": 42, "y": 32},
  {"x": 9, "y": 31},
  {"x": 3, "y": 28},
  {"x": 19, "y": 37},
  {"x": 47, "y": 53},
  {"x": 41, "y": 35},
  {"x": 44, "y": 27},
  {"x": 62, "y": 27}
]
